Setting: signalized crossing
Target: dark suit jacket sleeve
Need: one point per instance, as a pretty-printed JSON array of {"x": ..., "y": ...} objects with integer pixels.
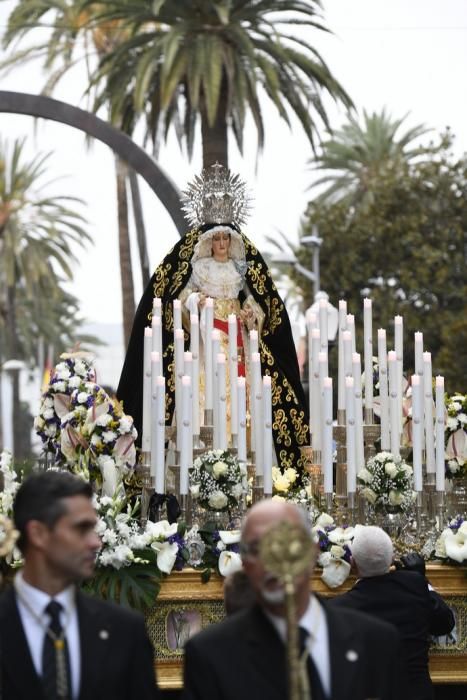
[
  {"x": 198, "y": 681},
  {"x": 143, "y": 684},
  {"x": 442, "y": 618}
]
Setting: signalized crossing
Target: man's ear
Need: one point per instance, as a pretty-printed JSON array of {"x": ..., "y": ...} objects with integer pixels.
[{"x": 37, "y": 533}]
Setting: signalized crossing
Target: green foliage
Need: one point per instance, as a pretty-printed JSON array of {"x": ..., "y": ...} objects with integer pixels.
[
  {"x": 406, "y": 249},
  {"x": 191, "y": 59},
  {"x": 38, "y": 236},
  {"x": 135, "y": 586}
]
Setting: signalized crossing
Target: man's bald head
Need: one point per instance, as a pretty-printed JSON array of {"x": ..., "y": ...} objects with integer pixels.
[{"x": 264, "y": 515}]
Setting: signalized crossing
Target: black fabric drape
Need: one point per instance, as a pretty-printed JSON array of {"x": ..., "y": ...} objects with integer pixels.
[{"x": 277, "y": 350}]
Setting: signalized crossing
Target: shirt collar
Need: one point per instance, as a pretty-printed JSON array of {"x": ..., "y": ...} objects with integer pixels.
[
  {"x": 38, "y": 600},
  {"x": 310, "y": 620}
]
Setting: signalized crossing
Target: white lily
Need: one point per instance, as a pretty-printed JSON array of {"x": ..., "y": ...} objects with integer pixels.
[
  {"x": 335, "y": 573},
  {"x": 341, "y": 535},
  {"x": 229, "y": 536},
  {"x": 162, "y": 529},
  {"x": 229, "y": 562},
  {"x": 166, "y": 555},
  {"x": 456, "y": 546}
]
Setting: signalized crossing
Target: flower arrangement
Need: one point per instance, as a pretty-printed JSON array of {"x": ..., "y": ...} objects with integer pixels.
[
  {"x": 82, "y": 427},
  {"x": 334, "y": 547},
  {"x": 210, "y": 549},
  {"x": 8, "y": 535},
  {"x": 387, "y": 482},
  {"x": 218, "y": 481},
  {"x": 456, "y": 435},
  {"x": 287, "y": 485},
  {"x": 451, "y": 545}
]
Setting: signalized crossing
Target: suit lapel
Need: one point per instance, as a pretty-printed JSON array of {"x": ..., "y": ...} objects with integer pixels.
[
  {"x": 93, "y": 632},
  {"x": 267, "y": 653},
  {"x": 17, "y": 662}
]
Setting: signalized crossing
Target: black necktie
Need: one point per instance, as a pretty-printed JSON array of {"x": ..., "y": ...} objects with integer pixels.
[
  {"x": 317, "y": 692},
  {"x": 56, "y": 677}
]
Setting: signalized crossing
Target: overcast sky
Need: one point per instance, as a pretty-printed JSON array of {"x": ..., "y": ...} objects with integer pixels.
[{"x": 407, "y": 55}]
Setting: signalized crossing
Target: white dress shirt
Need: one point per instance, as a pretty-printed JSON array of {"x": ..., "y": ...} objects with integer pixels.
[
  {"x": 34, "y": 630},
  {"x": 314, "y": 621}
]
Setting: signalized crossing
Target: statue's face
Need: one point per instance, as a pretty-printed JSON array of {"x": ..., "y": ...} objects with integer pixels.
[{"x": 220, "y": 246}]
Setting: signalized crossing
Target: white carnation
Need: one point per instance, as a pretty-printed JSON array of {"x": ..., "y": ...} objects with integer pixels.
[
  {"x": 109, "y": 436},
  {"x": 104, "y": 420},
  {"x": 74, "y": 382},
  {"x": 451, "y": 423},
  {"x": 82, "y": 397},
  {"x": 125, "y": 424}
]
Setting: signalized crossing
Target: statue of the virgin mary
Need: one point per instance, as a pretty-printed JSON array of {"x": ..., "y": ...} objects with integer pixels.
[{"x": 215, "y": 259}]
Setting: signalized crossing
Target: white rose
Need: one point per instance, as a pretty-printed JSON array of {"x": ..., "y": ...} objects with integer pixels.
[
  {"x": 324, "y": 520},
  {"x": 109, "y": 436},
  {"x": 82, "y": 397},
  {"x": 364, "y": 475},
  {"x": 453, "y": 466},
  {"x": 337, "y": 552},
  {"x": 80, "y": 368},
  {"x": 395, "y": 497},
  {"x": 218, "y": 500},
  {"x": 219, "y": 469},
  {"x": 104, "y": 420},
  {"x": 282, "y": 484},
  {"x": 390, "y": 469},
  {"x": 194, "y": 490},
  {"x": 407, "y": 469},
  {"x": 291, "y": 474},
  {"x": 369, "y": 494}
]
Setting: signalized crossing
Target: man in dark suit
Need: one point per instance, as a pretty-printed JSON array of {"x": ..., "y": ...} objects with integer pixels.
[
  {"x": 400, "y": 597},
  {"x": 57, "y": 643},
  {"x": 348, "y": 655}
]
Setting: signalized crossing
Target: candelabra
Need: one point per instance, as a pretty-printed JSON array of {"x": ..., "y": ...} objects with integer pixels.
[{"x": 144, "y": 472}]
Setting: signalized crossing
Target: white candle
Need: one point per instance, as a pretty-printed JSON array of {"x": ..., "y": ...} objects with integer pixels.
[
  {"x": 394, "y": 420},
  {"x": 157, "y": 307},
  {"x": 222, "y": 403},
  {"x": 440, "y": 427},
  {"x": 315, "y": 422},
  {"x": 368, "y": 352},
  {"x": 177, "y": 311},
  {"x": 186, "y": 451},
  {"x": 350, "y": 435},
  {"x": 323, "y": 324},
  {"x": 311, "y": 319},
  {"x": 327, "y": 435},
  {"x": 215, "y": 349},
  {"x": 156, "y": 333},
  {"x": 350, "y": 321},
  {"x": 399, "y": 348},
  {"x": 267, "y": 436},
  {"x": 428, "y": 414},
  {"x": 155, "y": 373},
  {"x": 208, "y": 369},
  {"x": 254, "y": 342},
  {"x": 341, "y": 368},
  {"x": 347, "y": 343},
  {"x": 323, "y": 368},
  {"x": 383, "y": 389},
  {"x": 256, "y": 399},
  {"x": 241, "y": 416},
  {"x": 417, "y": 428},
  {"x": 419, "y": 369},
  {"x": 194, "y": 347},
  {"x": 233, "y": 371},
  {"x": 158, "y": 437},
  {"x": 146, "y": 437},
  {"x": 357, "y": 384},
  {"x": 179, "y": 372}
]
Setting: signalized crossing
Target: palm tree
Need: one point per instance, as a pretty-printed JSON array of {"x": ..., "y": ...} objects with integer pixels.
[
  {"x": 210, "y": 62},
  {"x": 37, "y": 233},
  {"x": 358, "y": 153},
  {"x": 74, "y": 36}
]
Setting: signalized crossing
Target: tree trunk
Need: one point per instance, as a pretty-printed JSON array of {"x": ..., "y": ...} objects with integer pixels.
[
  {"x": 13, "y": 354},
  {"x": 140, "y": 228},
  {"x": 126, "y": 273},
  {"x": 215, "y": 141}
]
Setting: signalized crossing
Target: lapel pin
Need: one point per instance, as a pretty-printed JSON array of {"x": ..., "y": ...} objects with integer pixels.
[
  {"x": 351, "y": 655},
  {"x": 103, "y": 634}
]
